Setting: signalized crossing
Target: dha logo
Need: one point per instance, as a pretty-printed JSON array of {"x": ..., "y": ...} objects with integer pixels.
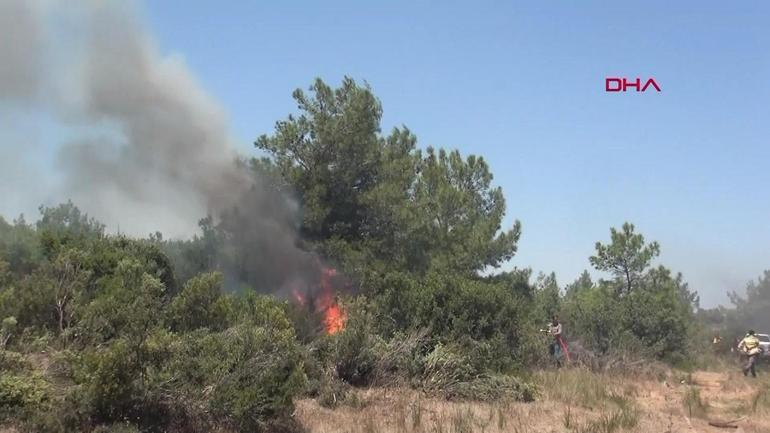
[{"x": 612, "y": 84}]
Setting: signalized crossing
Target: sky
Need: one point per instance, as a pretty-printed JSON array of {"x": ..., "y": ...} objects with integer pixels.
[{"x": 522, "y": 84}]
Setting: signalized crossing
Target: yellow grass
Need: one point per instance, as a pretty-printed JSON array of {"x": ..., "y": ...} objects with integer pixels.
[{"x": 570, "y": 401}]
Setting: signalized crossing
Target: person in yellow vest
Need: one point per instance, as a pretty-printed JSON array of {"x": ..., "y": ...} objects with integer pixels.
[{"x": 749, "y": 346}]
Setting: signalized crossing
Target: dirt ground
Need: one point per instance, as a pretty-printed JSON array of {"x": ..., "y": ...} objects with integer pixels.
[{"x": 679, "y": 403}]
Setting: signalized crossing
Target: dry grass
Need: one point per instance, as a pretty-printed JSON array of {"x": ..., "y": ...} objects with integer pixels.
[
  {"x": 580, "y": 387},
  {"x": 760, "y": 402},
  {"x": 569, "y": 400},
  {"x": 693, "y": 403}
]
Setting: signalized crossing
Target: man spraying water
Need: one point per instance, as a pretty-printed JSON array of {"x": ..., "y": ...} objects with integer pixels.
[{"x": 558, "y": 348}]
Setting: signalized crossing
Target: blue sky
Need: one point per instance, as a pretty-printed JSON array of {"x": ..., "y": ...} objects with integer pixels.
[{"x": 522, "y": 84}]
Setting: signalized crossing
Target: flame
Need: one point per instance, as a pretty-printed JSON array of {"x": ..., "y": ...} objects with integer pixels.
[
  {"x": 333, "y": 316},
  {"x": 334, "y": 319},
  {"x": 324, "y": 301}
]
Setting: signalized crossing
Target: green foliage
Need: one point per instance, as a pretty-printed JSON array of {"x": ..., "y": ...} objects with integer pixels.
[
  {"x": 331, "y": 153},
  {"x": 583, "y": 282},
  {"x": 643, "y": 310},
  {"x": 65, "y": 225},
  {"x": 129, "y": 308},
  {"x": 201, "y": 305},
  {"x": 20, "y": 250},
  {"x": 626, "y": 257},
  {"x": 357, "y": 349},
  {"x": 111, "y": 378},
  {"x": 375, "y": 201},
  {"x": 22, "y": 395},
  {"x": 249, "y": 375},
  {"x": 13, "y": 361},
  {"x": 7, "y": 328},
  {"x": 458, "y": 309},
  {"x": 593, "y": 315},
  {"x": 461, "y": 214},
  {"x": 547, "y": 298}
]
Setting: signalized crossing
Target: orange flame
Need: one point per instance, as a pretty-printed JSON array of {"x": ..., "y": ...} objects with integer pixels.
[
  {"x": 324, "y": 301},
  {"x": 334, "y": 319},
  {"x": 333, "y": 316}
]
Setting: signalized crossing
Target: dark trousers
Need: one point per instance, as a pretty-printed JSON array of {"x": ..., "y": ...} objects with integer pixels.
[
  {"x": 555, "y": 351},
  {"x": 749, "y": 367}
]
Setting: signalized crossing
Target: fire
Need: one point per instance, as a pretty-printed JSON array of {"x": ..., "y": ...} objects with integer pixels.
[
  {"x": 333, "y": 315},
  {"x": 324, "y": 301},
  {"x": 334, "y": 319}
]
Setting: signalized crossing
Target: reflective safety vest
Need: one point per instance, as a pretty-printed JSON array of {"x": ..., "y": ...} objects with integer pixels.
[{"x": 750, "y": 344}]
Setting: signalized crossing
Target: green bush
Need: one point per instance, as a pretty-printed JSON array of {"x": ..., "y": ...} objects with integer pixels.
[
  {"x": 200, "y": 304},
  {"x": 8, "y": 325},
  {"x": 649, "y": 321},
  {"x": 357, "y": 349},
  {"x": 111, "y": 381},
  {"x": 458, "y": 309},
  {"x": 13, "y": 361},
  {"x": 245, "y": 377},
  {"x": 22, "y": 395}
]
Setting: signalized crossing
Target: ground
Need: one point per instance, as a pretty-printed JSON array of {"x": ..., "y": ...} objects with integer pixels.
[{"x": 571, "y": 400}]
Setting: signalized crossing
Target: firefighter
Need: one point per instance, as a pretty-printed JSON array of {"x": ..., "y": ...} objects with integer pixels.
[
  {"x": 558, "y": 348},
  {"x": 749, "y": 346}
]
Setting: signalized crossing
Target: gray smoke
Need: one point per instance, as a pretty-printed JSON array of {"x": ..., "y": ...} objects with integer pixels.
[
  {"x": 20, "y": 44},
  {"x": 149, "y": 149}
]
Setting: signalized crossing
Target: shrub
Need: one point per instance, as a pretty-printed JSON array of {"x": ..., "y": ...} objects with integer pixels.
[
  {"x": 22, "y": 395},
  {"x": 452, "y": 373},
  {"x": 200, "y": 305},
  {"x": 458, "y": 309},
  {"x": 401, "y": 358},
  {"x": 332, "y": 392},
  {"x": 357, "y": 349},
  {"x": 7, "y": 329},
  {"x": 493, "y": 387},
  {"x": 245, "y": 377},
  {"x": 13, "y": 361},
  {"x": 111, "y": 381}
]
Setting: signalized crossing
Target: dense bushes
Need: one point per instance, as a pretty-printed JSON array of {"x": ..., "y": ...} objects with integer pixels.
[
  {"x": 645, "y": 311},
  {"x": 488, "y": 317},
  {"x": 122, "y": 346},
  {"x": 201, "y": 304},
  {"x": 245, "y": 376},
  {"x": 22, "y": 395}
]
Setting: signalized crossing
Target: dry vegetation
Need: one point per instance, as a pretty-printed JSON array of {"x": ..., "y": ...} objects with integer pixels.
[{"x": 570, "y": 400}]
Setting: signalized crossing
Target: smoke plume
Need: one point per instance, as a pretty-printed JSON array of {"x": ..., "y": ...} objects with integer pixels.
[{"x": 146, "y": 149}]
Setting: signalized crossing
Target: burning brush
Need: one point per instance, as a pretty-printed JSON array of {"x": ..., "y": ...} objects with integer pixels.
[{"x": 325, "y": 302}]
